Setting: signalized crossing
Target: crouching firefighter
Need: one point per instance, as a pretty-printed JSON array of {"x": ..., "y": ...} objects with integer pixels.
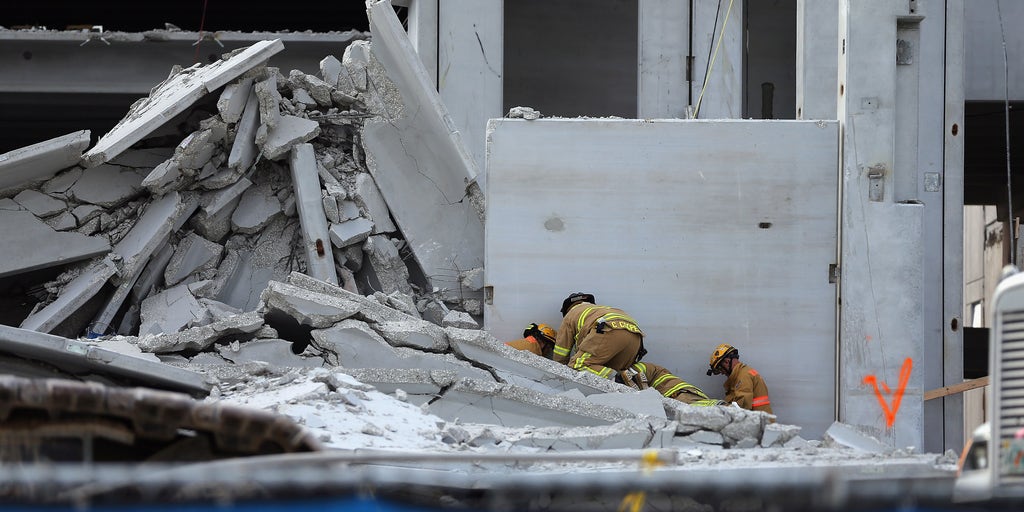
[
  {"x": 649, "y": 375},
  {"x": 537, "y": 338},
  {"x": 601, "y": 340}
]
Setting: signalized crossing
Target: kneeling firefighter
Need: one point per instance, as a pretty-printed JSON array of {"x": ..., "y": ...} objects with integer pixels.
[{"x": 606, "y": 339}]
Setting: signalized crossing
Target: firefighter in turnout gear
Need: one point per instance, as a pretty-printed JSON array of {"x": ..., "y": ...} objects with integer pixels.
[
  {"x": 743, "y": 384},
  {"x": 598, "y": 339},
  {"x": 537, "y": 338},
  {"x": 645, "y": 375}
]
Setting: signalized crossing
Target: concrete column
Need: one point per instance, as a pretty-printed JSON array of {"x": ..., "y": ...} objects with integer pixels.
[
  {"x": 422, "y": 21},
  {"x": 663, "y": 39},
  {"x": 817, "y": 46},
  {"x": 881, "y": 351},
  {"x": 470, "y": 61}
]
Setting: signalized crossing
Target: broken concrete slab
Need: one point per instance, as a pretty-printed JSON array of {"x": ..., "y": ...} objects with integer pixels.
[
  {"x": 625, "y": 434},
  {"x": 74, "y": 295},
  {"x": 252, "y": 262},
  {"x": 30, "y": 244},
  {"x": 476, "y": 401},
  {"x": 269, "y": 100},
  {"x": 419, "y": 386},
  {"x": 152, "y": 273},
  {"x": 40, "y": 204},
  {"x": 386, "y": 271},
  {"x": 256, "y": 209},
  {"x": 318, "y": 89},
  {"x": 161, "y": 217},
  {"x": 174, "y": 96},
  {"x": 287, "y": 133},
  {"x": 306, "y": 182},
  {"x": 460, "y": 320},
  {"x": 59, "y": 184},
  {"x": 194, "y": 254},
  {"x": 419, "y": 334},
  {"x": 169, "y": 311},
  {"x": 353, "y": 344},
  {"x": 417, "y": 157},
  {"x": 309, "y": 308},
  {"x": 78, "y": 357},
  {"x": 276, "y": 352},
  {"x": 350, "y": 232},
  {"x": 143, "y": 159},
  {"x": 369, "y": 309},
  {"x": 214, "y": 203},
  {"x": 368, "y": 196},
  {"x": 41, "y": 160},
  {"x": 232, "y": 100},
  {"x": 199, "y": 338},
  {"x": 244, "y": 150},
  {"x": 647, "y": 402},
  {"x": 107, "y": 186},
  {"x": 63, "y": 221}
]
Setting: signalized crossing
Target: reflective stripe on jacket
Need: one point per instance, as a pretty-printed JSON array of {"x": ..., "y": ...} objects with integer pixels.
[
  {"x": 584, "y": 317},
  {"x": 746, "y": 387}
]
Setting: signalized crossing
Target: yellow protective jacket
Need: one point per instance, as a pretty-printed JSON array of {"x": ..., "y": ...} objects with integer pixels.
[
  {"x": 670, "y": 386},
  {"x": 604, "y": 339},
  {"x": 528, "y": 343},
  {"x": 746, "y": 387}
]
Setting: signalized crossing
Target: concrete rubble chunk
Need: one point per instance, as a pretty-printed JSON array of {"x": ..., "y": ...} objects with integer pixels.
[
  {"x": 353, "y": 344},
  {"x": 40, "y": 204},
  {"x": 745, "y": 424},
  {"x": 74, "y": 295},
  {"x": 330, "y": 70},
  {"x": 417, "y": 156},
  {"x": 107, "y": 186},
  {"x": 244, "y": 150},
  {"x": 473, "y": 279},
  {"x": 194, "y": 151},
  {"x": 692, "y": 418},
  {"x": 368, "y": 196},
  {"x": 255, "y": 210},
  {"x": 269, "y": 101},
  {"x": 706, "y": 437},
  {"x": 174, "y": 96},
  {"x": 318, "y": 89},
  {"x": 215, "y": 203},
  {"x": 459, "y": 319},
  {"x": 841, "y": 434},
  {"x": 309, "y": 308},
  {"x": 161, "y": 217},
  {"x": 418, "y": 334},
  {"x": 169, "y": 311},
  {"x": 316, "y": 234},
  {"x": 477, "y": 401},
  {"x": 232, "y": 100},
  {"x": 41, "y": 160},
  {"x": 252, "y": 261},
  {"x": 350, "y": 232},
  {"x": 777, "y": 434},
  {"x": 369, "y": 309},
  {"x": 288, "y": 132},
  {"x": 163, "y": 177},
  {"x": 647, "y": 402},
  {"x": 348, "y": 210},
  {"x": 194, "y": 254},
  {"x": 276, "y": 352},
  {"x": 63, "y": 221},
  {"x": 389, "y": 273},
  {"x": 30, "y": 244},
  {"x": 217, "y": 128},
  {"x": 81, "y": 358},
  {"x": 199, "y": 338}
]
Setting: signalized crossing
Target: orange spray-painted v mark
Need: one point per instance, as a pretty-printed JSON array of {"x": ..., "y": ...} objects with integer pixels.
[{"x": 890, "y": 413}]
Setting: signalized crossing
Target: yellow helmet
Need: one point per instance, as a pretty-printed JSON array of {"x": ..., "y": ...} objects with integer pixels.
[
  {"x": 721, "y": 352},
  {"x": 543, "y": 332}
]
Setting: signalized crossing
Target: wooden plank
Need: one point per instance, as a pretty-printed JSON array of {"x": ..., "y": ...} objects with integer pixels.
[{"x": 956, "y": 388}]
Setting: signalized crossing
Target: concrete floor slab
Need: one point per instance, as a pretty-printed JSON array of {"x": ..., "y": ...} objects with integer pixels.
[
  {"x": 30, "y": 244},
  {"x": 308, "y": 200},
  {"x": 174, "y": 96},
  {"x": 417, "y": 157},
  {"x": 74, "y": 295},
  {"x": 107, "y": 185},
  {"x": 152, "y": 273},
  {"x": 626, "y": 434},
  {"x": 41, "y": 205},
  {"x": 79, "y": 357},
  {"x": 41, "y": 160},
  {"x": 199, "y": 338}
]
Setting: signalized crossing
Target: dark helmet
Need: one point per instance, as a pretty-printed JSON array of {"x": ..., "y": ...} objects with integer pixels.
[{"x": 575, "y": 297}]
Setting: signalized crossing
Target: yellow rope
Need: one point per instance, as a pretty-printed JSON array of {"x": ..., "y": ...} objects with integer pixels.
[
  {"x": 711, "y": 65},
  {"x": 634, "y": 501}
]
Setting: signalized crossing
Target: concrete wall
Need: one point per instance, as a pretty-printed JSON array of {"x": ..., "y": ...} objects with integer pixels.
[
  {"x": 703, "y": 241},
  {"x": 817, "y": 51},
  {"x": 986, "y": 74}
]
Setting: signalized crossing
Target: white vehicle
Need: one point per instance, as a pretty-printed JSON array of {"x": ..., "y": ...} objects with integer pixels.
[{"x": 992, "y": 465}]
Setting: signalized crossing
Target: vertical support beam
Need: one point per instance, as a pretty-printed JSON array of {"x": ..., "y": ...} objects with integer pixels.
[
  {"x": 470, "y": 68},
  {"x": 662, "y": 43},
  {"x": 952, "y": 236},
  {"x": 422, "y": 22},
  {"x": 817, "y": 45},
  {"x": 881, "y": 338},
  {"x": 723, "y": 96}
]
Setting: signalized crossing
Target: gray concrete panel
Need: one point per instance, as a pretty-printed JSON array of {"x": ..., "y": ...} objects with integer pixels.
[
  {"x": 418, "y": 160},
  {"x": 174, "y": 96},
  {"x": 702, "y": 241},
  {"x": 30, "y": 244},
  {"x": 41, "y": 160},
  {"x": 151, "y": 231},
  {"x": 817, "y": 44},
  {"x": 315, "y": 234},
  {"x": 74, "y": 295},
  {"x": 662, "y": 91},
  {"x": 79, "y": 357}
]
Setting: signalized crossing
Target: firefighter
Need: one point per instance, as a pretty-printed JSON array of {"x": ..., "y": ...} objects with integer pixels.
[
  {"x": 744, "y": 385},
  {"x": 598, "y": 339},
  {"x": 645, "y": 375},
  {"x": 537, "y": 338}
]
